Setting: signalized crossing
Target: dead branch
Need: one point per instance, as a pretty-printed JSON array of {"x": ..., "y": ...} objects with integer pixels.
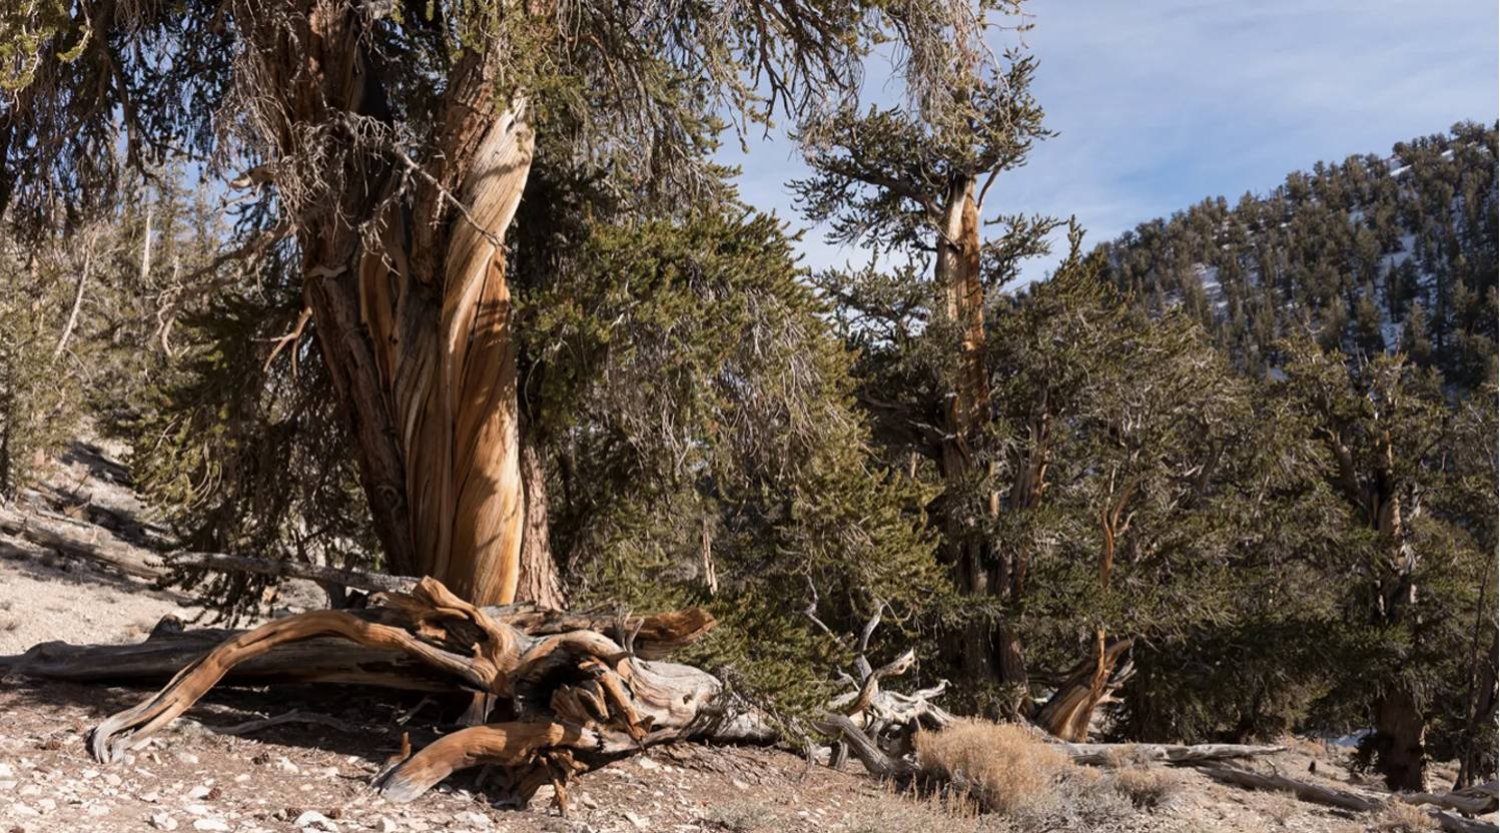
[
  {"x": 1333, "y": 797},
  {"x": 1106, "y": 753}
]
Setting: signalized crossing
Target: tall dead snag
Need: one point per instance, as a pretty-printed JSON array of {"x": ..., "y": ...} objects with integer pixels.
[{"x": 576, "y": 694}]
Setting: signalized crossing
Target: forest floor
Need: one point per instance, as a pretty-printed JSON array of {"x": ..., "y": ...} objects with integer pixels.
[{"x": 315, "y": 776}]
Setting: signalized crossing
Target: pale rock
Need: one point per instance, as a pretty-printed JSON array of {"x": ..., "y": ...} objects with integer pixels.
[
  {"x": 30, "y": 790},
  {"x": 646, "y": 763},
  {"x": 98, "y": 810},
  {"x": 198, "y": 792},
  {"x": 112, "y": 779},
  {"x": 314, "y": 820},
  {"x": 89, "y": 774},
  {"x": 387, "y": 826},
  {"x": 163, "y": 821},
  {"x": 285, "y": 765},
  {"x": 150, "y": 797},
  {"x": 212, "y": 825},
  {"x": 476, "y": 819},
  {"x": 7, "y": 785},
  {"x": 639, "y": 822},
  {"x": 188, "y": 758},
  {"x": 6, "y": 771},
  {"x": 241, "y": 778},
  {"x": 198, "y": 809},
  {"x": 740, "y": 785},
  {"x": 588, "y": 801},
  {"x": 47, "y": 805},
  {"x": 23, "y": 809}
]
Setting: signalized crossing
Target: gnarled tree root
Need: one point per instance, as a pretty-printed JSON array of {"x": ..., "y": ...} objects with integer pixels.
[{"x": 575, "y": 688}]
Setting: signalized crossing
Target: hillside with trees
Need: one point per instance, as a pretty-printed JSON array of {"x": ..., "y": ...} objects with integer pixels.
[{"x": 448, "y": 309}]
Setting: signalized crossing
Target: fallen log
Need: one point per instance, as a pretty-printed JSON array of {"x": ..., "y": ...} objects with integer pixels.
[
  {"x": 1109, "y": 753},
  {"x": 96, "y": 543},
  {"x": 577, "y": 690},
  {"x": 1333, "y": 797}
]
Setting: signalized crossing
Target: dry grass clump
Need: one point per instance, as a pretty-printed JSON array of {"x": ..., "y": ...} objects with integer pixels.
[
  {"x": 1400, "y": 817},
  {"x": 1006, "y": 768},
  {"x": 1146, "y": 786}
]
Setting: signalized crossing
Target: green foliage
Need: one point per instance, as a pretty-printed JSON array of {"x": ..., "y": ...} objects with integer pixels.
[{"x": 701, "y": 415}]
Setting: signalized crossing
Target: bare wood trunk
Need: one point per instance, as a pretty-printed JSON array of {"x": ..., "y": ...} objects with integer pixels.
[
  {"x": 1333, "y": 797},
  {"x": 981, "y": 648},
  {"x": 1068, "y": 712},
  {"x": 404, "y": 272}
]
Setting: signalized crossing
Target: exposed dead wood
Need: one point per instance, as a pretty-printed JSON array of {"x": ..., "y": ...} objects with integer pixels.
[
  {"x": 1069, "y": 711},
  {"x": 325, "y": 660},
  {"x": 577, "y": 689},
  {"x": 1105, "y": 753},
  {"x": 1333, "y": 797}
]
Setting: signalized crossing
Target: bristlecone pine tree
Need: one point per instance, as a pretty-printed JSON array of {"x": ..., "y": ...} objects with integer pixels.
[{"x": 395, "y": 142}]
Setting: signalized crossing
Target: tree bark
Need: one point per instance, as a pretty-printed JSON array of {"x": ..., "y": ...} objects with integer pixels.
[
  {"x": 404, "y": 271},
  {"x": 967, "y": 411},
  {"x": 540, "y": 583}
]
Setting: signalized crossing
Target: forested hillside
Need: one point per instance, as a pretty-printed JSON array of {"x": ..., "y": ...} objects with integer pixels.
[
  {"x": 451, "y": 308},
  {"x": 1372, "y": 255}
]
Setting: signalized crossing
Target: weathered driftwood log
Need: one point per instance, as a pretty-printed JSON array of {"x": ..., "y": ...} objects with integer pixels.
[
  {"x": 1109, "y": 753},
  {"x": 99, "y": 544},
  {"x": 1333, "y": 797},
  {"x": 576, "y": 691}
]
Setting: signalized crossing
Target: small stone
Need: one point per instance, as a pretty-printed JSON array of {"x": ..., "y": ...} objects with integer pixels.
[
  {"x": 588, "y": 801},
  {"x": 6, "y": 771},
  {"x": 198, "y": 809},
  {"x": 476, "y": 819},
  {"x": 387, "y": 826},
  {"x": 7, "y": 785},
  {"x": 314, "y": 820},
  {"x": 163, "y": 821},
  {"x": 639, "y": 822},
  {"x": 150, "y": 797},
  {"x": 198, "y": 792},
  {"x": 98, "y": 810},
  {"x": 23, "y": 809},
  {"x": 740, "y": 785},
  {"x": 647, "y": 763},
  {"x": 285, "y": 765},
  {"x": 112, "y": 779},
  {"x": 187, "y": 758},
  {"x": 241, "y": 778},
  {"x": 30, "y": 790},
  {"x": 211, "y": 824},
  {"x": 47, "y": 805}
]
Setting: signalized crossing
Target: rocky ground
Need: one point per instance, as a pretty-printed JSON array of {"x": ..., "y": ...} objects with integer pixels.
[{"x": 212, "y": 772}]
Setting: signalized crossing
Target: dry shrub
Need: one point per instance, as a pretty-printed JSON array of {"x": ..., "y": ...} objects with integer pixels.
[
  {"x": 1281, "y": 806},
  {"x": 1400, "y": 817},
  {"x": 1006, "y": 768},
  {"x": 1146, "y": 786}
]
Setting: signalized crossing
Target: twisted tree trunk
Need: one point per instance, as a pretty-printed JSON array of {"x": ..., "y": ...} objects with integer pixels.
[{"x": 404, "y": 272}]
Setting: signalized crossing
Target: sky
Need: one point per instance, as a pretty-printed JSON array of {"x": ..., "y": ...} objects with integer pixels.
[{"x": 1161, "y": 104}]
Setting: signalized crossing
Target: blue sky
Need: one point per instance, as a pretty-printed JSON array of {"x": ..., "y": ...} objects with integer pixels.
[{"x": 1160, "y": 104}]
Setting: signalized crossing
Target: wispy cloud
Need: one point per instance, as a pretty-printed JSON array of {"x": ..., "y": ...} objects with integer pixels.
[{"x": 1161, "y": 104}]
